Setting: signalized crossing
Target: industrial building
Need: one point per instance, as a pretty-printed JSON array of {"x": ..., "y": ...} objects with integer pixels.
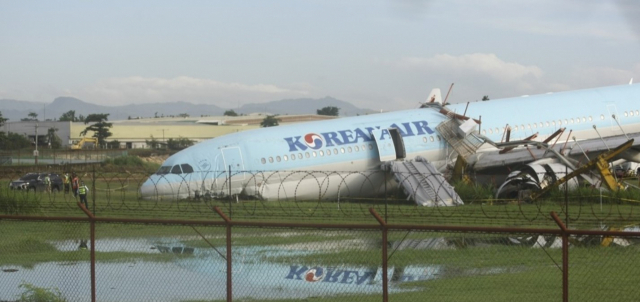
[{"x": 134, "y": 133}]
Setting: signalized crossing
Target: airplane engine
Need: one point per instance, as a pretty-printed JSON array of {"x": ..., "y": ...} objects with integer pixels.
[{"x": 534, "y": 177}]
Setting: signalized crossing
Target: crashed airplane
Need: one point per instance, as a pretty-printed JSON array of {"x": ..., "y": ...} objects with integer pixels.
[{"x": 550, "y": 134}]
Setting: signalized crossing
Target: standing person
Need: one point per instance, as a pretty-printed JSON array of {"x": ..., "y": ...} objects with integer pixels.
[
  {"x": 47, "y": 183},
  {"x": 83, "y": 191},
  {"x": 75, "y": 184},
  {"x": 67, "y": 182}
]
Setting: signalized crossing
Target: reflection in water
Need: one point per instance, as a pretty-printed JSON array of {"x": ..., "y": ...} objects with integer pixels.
[{"x": 200, "y": 273}]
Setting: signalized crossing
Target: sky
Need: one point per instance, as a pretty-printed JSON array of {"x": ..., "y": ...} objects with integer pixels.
[{"x": 380, "y": 55}]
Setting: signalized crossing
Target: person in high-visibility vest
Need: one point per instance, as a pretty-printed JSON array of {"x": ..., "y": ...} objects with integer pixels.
[
  {"x": 82, "y": 192},
  {"x": 75, "y": 184},
  {"x": 67, "y": 182},
  {"x": 47, "y": 184}
]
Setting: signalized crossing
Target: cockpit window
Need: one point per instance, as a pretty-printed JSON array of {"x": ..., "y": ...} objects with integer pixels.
[
  {"x": 186, "y": 168},
  {"x": 163, "y": 170},
  {"x": 176, "y": 170}
]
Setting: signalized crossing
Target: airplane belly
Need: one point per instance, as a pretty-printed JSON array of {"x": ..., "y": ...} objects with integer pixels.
[{"x": 352, "y": 178}]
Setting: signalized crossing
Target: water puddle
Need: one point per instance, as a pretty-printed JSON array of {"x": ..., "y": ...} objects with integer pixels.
[{"x": 200, "y": 273}]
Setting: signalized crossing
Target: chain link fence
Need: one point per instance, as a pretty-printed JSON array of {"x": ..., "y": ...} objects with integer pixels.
[{"x": 128, "y": 259}]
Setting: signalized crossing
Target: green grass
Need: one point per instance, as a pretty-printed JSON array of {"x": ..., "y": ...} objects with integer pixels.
[{"x": 596, "y": 273}]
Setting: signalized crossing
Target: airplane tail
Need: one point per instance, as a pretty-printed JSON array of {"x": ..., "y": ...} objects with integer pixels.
[{"x": 435, "y": 96}]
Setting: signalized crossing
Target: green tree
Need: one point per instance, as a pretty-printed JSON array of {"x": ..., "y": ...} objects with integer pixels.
[
  {"x": 13, "y": 141},
  {"x": 153, "y": 143},
  {"x": 31, "y": 117},
  {"x": 485, "y": 98},
  {"x": 230, "y": 113},
  {"x": 53, "y": 138},
  {"x": 330, "y": 110},
  {"x": 179, "y": 144},
  {"x": 270, "y": 121},
  {"x": 69, "y": 116},
  {"x": 2, "y": 119},
  {"x": 183, "y": 115},
  {"x": 100, "y": 127},
  {"x": 114, "y": 144}
]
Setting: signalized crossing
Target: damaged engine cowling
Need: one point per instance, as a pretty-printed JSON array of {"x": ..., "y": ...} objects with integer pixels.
[{"x": 534, "y": 177}]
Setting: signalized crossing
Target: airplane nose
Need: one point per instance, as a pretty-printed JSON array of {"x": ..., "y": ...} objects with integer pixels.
[{"x": 149, "y": 190}]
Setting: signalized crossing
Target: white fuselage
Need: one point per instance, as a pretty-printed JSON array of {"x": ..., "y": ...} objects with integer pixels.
[{"x": 341, "y": 157}]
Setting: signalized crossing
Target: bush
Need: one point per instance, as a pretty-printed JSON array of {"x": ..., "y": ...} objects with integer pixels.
[
  {"x": 37, "y": 294},
  {"x": 474, "y": 193},
  {"x": 14, "y": 202},
  {"x": 128, "y": 160},
  {"x": 179, "y": 144}
]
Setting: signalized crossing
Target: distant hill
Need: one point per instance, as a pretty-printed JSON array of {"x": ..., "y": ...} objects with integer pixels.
[
  {"x": 303, "y": 106},
  {"x": 16, "y": 110}
]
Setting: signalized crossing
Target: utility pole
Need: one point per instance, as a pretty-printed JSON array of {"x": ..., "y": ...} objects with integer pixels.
[
  {"x": 163, "y": 141},
  {"x": 35, "y": 153}
]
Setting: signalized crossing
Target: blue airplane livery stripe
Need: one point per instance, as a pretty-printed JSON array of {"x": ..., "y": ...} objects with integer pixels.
[{"x": 354, "y": 136}]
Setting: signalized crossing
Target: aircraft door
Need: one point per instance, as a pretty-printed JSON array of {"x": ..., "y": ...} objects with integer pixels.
[
  {"x": 389, "y": 143},
  {"x": 233, "y": 159}
]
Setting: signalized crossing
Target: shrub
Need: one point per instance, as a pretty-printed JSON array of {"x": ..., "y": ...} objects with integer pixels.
[
  {"x": 14, "y": 202},
  {"x": 33, "y": 293}
]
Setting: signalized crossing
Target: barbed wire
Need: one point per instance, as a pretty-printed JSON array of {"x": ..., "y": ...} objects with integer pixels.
[{"x": 318, "y": 195}]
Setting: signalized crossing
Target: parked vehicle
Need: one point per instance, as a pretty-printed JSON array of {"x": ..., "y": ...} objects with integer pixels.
[{"x": 35, "y": 182}]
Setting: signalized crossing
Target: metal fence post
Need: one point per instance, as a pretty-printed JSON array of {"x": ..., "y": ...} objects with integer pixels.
[
  {"x": 227, "y": 220},
  {"x": 385, "y": 258},
  {"x": 93, "y": 188},
  {"x": 565, "y": 257},
  {"x": 92, "y": 225}
]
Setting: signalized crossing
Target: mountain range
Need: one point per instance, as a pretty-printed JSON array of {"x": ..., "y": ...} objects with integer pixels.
[{"x": 16, "y": 110}]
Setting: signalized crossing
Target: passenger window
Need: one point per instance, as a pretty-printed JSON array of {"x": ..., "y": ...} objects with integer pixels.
[
  {"x": 186, "y": 168},
  {"x": 263, "y": 161},
  {"x": 278, "y": 158},
  {"x": 176, "y": 170}
]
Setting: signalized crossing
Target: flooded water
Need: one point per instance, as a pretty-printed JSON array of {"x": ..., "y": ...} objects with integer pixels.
[{"x": 200, "y": 274}]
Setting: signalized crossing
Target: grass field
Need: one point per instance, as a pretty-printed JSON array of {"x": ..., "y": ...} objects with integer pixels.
[{"x": 485, "y": 267}]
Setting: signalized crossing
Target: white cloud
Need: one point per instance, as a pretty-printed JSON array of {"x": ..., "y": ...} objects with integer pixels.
[
  {"x": 591, "y": 19},
  {"x": 119, "y": 91},
  {"x": 604, "y": 76},
  {"x": 476, "y": 65}
]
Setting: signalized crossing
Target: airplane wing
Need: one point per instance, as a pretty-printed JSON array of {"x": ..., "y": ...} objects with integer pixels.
[{"x": 577, "y": 150}]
